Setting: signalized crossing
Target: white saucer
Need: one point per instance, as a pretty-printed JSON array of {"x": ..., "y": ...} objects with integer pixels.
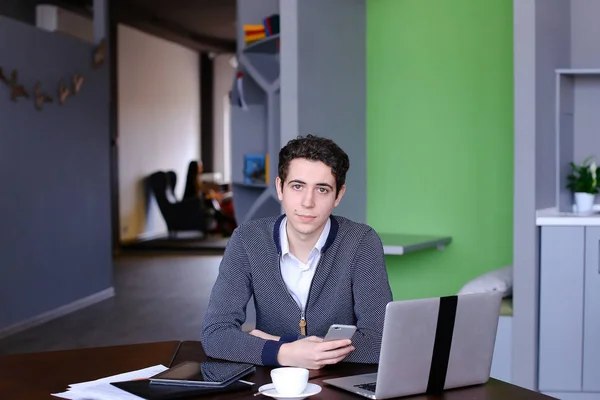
[{"x": 269, "y": 390}]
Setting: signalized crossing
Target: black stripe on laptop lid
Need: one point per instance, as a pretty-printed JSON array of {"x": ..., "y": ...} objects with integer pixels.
[{"x": 442, "y": 344}]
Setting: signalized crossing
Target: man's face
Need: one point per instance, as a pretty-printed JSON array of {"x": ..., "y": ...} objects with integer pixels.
[{"x": 308, "y": 195}]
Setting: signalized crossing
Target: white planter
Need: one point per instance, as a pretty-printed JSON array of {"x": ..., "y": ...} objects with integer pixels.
[{"x": 584, "y": 203}]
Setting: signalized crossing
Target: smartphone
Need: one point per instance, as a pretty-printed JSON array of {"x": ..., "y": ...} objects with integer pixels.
[{"x": 338, "y": 331}]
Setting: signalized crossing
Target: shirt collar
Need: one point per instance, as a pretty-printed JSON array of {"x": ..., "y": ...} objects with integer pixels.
[{"x": 285, "y": 244}]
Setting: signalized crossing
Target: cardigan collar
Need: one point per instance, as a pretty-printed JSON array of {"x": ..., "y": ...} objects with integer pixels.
[{"x": 333, "y": 230}]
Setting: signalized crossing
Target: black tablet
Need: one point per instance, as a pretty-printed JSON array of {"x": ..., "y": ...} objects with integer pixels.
[{"x": 206, "y": 373}]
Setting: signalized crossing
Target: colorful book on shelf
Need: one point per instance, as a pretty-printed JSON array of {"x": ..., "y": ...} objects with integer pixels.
[
  {"x": 254, "y": 38},
  {"x": 271, "y": 24},
  {"x": 255, "y": 32},
  {"x": 256, "y": 167},
  {"x": 254, "y": 27}
]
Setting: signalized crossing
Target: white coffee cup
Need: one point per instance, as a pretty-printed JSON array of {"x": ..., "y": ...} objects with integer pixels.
[{"x": 289, "y": 381}]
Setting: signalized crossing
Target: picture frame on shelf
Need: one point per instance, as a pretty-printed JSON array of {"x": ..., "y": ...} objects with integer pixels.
[{"x": 256, "y": 167}]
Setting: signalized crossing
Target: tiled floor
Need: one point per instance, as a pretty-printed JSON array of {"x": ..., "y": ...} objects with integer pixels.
[{"x": 158, "y": 297}]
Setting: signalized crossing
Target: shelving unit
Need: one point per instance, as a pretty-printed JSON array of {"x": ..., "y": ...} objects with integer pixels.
[
  {"x": 256, "y": 128},
  {"x": 568, "y": 83}
]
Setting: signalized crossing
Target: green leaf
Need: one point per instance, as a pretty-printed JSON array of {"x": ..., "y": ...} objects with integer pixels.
[{"x": 581, "y": 180}]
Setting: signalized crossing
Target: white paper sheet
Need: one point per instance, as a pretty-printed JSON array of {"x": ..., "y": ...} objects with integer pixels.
[{"x": 101, "y": 389}]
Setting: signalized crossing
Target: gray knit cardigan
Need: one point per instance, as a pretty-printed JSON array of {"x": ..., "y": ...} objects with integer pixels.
[{"x": 350, "y": 286}]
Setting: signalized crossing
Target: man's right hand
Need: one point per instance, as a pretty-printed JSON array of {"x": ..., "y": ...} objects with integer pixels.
[{"x": 313, "y": 353}]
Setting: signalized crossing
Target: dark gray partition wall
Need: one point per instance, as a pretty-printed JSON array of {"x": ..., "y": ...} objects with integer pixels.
[
  {"x": 308, "y": 79},
  {"x": 55, "y": 205}
]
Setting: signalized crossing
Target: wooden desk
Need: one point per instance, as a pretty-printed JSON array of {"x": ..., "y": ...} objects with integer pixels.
[
  {"x": 36, "y": 376},
  {"x": 493, "y": 390}
]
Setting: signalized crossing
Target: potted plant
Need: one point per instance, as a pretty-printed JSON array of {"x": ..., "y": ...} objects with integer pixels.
[{"x": 583, "y": 183}]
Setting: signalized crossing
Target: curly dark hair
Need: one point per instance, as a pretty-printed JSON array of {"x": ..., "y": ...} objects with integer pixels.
[{"x": 315, "y": 148}]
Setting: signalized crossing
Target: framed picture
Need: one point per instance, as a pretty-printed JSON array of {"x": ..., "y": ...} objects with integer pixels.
[{"x": 255, "y": 168}]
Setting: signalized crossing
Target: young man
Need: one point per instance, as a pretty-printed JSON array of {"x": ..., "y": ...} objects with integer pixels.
[{"x": 306, "y": 269}]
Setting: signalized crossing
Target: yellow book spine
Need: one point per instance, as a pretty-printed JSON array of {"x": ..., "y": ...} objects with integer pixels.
[
  {"x": 258, "y": 36},
  {"x": 267, "y": 169},
  {"x": 254, "y": 27}
]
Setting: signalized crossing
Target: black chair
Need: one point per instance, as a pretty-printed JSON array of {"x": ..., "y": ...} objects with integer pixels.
[
  {"x": 191, "y": 186},
  {"x": 217, "y": 221},
  {"x": 185, "y": 215}
]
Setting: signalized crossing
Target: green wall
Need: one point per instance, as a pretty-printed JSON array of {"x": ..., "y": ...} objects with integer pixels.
[{"x": 440, "y": 136}]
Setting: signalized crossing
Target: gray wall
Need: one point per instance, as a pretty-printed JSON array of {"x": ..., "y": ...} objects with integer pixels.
[
  {"x": 331, "y": 99},
  {"x": 585, "y": 53},
  {"x": 541, "y": 44},
  {"x": 586, "y": 121},
  {"x": 552, "y": 51},
  {"x": 585, "y": 31},
  {"x": 525, "y": 275},
  {"x": 55, "y": 231}
]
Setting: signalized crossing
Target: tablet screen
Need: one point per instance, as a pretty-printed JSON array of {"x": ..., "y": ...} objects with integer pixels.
[{"x": 203, "y": 373}]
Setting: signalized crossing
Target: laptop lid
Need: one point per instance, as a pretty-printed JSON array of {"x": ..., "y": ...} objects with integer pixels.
[{"x": 433, "y": 344}]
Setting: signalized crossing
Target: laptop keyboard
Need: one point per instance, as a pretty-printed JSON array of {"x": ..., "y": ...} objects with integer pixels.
[{"x": 369, "y": 387}]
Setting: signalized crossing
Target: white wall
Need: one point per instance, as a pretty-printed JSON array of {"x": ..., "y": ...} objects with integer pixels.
[
  {"x": 159, "y": 123},
  {"x": 223, "y": 79}
]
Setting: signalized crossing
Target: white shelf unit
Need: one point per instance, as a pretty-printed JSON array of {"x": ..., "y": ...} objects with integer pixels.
[
  {"x": 255, "y": 129},
  {"x": 568, "y": 81}
]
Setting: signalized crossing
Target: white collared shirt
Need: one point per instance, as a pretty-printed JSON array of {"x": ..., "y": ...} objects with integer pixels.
[{"x": 297, "y": 275}]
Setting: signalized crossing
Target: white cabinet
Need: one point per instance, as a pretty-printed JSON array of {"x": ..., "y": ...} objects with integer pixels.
[
  {"x": 569, "y": 337},
  {"x": 502, "y": 359},
  {"x": 591, "y": 313},
  {"x": 561, "y": 308}
]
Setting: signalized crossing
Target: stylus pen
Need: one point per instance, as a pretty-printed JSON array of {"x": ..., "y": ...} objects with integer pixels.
[{"x": 246, "y": 382}]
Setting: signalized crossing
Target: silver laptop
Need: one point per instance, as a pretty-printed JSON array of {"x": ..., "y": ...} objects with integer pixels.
[{"x": 430, "y": 345}]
